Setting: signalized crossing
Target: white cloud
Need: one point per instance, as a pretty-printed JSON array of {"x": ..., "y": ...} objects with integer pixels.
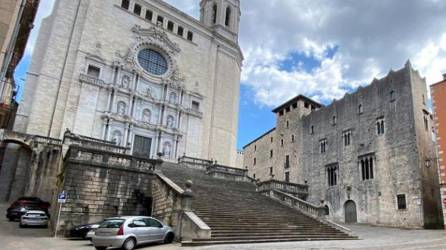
[{"x": 371, "y": 37}]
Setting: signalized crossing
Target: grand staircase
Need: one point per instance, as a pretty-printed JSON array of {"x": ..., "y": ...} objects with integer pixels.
[{"x": 236, "y": 213}]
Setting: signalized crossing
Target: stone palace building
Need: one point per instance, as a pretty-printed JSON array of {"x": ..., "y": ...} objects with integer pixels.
[
  {"x": 368, "y": 157},
  {"x": 140, "y": 73}
]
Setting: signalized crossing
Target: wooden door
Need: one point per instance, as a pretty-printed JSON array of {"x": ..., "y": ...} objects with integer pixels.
[
  {"x": 350, "y": 212},
  {"x": 142, "y": 146}
]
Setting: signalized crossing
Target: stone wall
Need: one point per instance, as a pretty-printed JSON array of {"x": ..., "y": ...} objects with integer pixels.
[
  {"x": 167, "y": 201},
  {"x": 257, "y": 156},
  {"x": 101, "y": 184},
  {"x": 402, "y": 155},
  {"x": 438, "y": 92},
  {"x": 30, "y": 166}
]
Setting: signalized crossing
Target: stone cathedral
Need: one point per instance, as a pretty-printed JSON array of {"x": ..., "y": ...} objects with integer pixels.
[{"x": 140, "y": 73}]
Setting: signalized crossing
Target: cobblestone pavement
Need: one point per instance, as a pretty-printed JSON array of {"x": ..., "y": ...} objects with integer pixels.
[{"x": 14, "y": 238}]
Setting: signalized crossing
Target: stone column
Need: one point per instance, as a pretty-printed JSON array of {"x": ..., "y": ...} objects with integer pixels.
[{"x": 32, "y": 172}]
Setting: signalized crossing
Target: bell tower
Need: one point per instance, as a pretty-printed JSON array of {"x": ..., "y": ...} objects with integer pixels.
[{"x": 223, "y": 16}]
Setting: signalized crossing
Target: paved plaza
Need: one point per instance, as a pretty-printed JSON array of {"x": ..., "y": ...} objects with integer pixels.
[{"x": 14, "y": 238}]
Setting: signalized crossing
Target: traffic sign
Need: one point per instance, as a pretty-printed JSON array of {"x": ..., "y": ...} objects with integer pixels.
[{"x": 62, "y": 197}]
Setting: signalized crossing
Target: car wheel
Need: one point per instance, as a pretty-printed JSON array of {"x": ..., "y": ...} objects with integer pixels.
[
  {"x": 100, "y": 248},
  {"x": 21, "y": 225},
  {"x": 10, "y": 219},
  {"x": 129, "y": 244},
  {"x": 169, "y": 238}
]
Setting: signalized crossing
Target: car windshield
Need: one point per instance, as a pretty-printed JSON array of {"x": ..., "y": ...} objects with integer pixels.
[{"x": 113, "y": 223}]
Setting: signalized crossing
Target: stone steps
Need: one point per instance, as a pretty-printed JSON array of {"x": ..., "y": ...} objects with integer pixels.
[
  {"x": 264, "y": 240},
  {"x": 237, "y": 214}
]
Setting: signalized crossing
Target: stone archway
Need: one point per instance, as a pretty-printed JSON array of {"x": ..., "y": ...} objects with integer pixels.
[
  {"x": 350, "y": 212},
  {"x": 29, "y": 165},
  {"x": 16, "y": 157}
]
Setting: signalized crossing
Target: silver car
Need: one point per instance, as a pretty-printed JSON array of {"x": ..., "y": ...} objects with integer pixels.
[
  {"x": 34, "y": 218},
  {"x": 129, "y": 231}
]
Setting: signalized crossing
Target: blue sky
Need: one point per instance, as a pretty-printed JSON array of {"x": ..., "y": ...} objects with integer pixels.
[{"x": 318, "y": 48}]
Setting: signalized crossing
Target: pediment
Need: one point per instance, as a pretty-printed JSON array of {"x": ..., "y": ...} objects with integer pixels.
[{"x": 156, "y": 34}]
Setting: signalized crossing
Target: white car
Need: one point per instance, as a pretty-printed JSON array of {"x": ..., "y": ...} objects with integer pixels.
[
  {"x": 34, "y": 218},
  {"x": 91, "y": 233},
  {"x": 129, "y": 231}
]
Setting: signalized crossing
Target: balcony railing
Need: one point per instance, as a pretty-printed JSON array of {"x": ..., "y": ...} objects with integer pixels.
[{"x": 91, "y": 80}]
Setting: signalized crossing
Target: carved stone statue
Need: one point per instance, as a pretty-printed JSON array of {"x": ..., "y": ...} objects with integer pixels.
[
  {"x": 167, "y": 148},
  {"x": 117, "y": 137},
  {"x": 146, "y": 114},
  {"x": 125, "y": 83},
  {"x": 173, "y": 98},
  {"x": 170, "y": 121},
  {"x": 122, "y": 108}
]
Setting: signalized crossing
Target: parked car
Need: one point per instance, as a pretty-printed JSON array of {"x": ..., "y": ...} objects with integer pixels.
[
  {"x": 23, "y": 204},
  {"x": 34, "y": 218},
  {"x": 90, "y": 234},
  {"x": 82, "y": 231},
  {"x": 127, "y": 232}
]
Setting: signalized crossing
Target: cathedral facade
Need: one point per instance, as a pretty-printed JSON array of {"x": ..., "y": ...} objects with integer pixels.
[
  {"x": 140, "y": 73},
  {"x": 368, "y": 157}
]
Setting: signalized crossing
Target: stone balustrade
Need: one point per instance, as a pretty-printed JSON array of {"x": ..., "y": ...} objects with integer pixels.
[
  {"x": 93, "y": 143},
  {"x": 297, "y": 203},
  {"x": 194, "y": 162},
  {"x": 47, "y": 140},
  {"x": 295, "y": 189},
  {"x": 107, "y": 159},
  {"x": 91, "y": 80},
  {"x": 173, "y": 205},
  {"x": 226, "y": 169},
  {"x": 229, "y": 173},
  {"x": 317, "y": 212}
]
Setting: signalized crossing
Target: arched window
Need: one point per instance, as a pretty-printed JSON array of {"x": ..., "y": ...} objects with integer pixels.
[
  {"x": 173, "y": 97},
  {"x": 167, "y": 149},
  {"x": 116, "y": 137},
  {"x": 146, "y": 115},
  {"x": 214, "y": 13},
  {"x": 122, "y": 108},
  {"x": 228, "y": 16},
  {"x": 360, "y": 109},
  {"x": 170, "y": 121},
  {"x": 392, "y": 95}
]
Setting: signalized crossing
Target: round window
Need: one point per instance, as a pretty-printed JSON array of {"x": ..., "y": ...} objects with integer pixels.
[{"x": 152, "y": 61}]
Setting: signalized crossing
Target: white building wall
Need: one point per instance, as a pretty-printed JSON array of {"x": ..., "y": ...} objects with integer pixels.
[{"x": 205, "y": 70}]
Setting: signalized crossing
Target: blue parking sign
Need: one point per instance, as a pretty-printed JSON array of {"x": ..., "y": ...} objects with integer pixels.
[{"x": 62, "y": 197}]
